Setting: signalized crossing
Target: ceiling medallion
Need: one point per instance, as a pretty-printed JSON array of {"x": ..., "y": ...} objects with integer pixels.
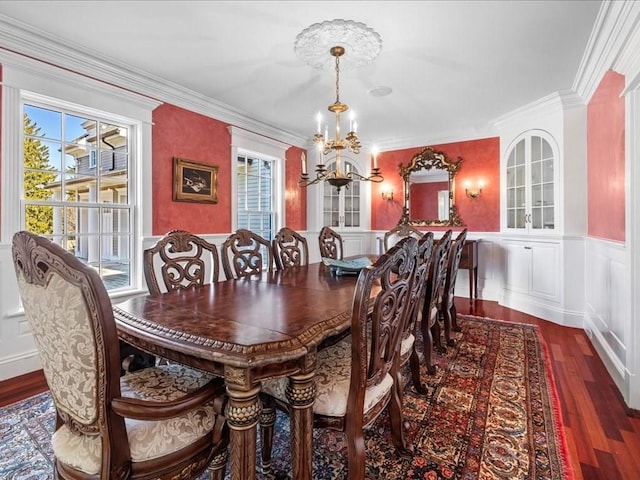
[{"x": 362, "y": 42}]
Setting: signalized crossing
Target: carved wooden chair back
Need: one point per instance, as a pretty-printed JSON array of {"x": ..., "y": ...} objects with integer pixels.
[
  {"x": 330, "y": 243},
  {"x": 356, "y": 377},
  {"x": 178, "y": 260},
  {"x": 290, "y": 249},
  {"x": 432, "y": 293},
  {"x": 399, "y": 232},
  {"x": 71, "y": 318},
  {"x": 447, "y": 308},
  {"x": 246, "y": 253},
  {"x": 408, "y": 351}
]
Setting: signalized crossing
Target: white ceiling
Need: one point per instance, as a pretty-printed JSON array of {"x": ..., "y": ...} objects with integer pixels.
[{"x": 453, "y": 66}]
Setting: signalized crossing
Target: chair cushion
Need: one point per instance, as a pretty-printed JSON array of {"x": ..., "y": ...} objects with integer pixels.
[
  {"x": 147, "y": 439},
  {"x": 333, "y": 374},
  {"x": 407, "y": 345}
]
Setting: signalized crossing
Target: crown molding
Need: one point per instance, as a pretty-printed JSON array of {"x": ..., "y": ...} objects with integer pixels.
[
  {"x": 37, "y": 45},
  {"x": 468, "y": 133},
  {"x": 609, "y": 45},
  {"x": 24, "y": 73},
  {"x": 553, "y": 103}
]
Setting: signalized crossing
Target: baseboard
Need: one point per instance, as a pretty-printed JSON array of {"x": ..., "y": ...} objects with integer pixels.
[
  {"x": 611, "y": 362},
  {"x": 552, "y": 313},
  {"x": 19, "y": 365}
]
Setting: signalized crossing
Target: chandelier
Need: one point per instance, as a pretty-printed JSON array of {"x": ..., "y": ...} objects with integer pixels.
[{"x": 312, "y": 45}]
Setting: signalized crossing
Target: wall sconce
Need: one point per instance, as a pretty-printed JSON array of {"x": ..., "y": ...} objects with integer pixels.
[
  {"x": 387, "y": 193},
  {"x": 473, "y": 193}
]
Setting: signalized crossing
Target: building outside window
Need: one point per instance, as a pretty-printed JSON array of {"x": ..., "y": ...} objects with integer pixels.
[
  {"x": 255, "y": 186},
  {"x": 76, "y": 186}
]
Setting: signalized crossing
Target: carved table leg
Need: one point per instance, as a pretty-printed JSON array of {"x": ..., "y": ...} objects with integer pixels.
[
  {"x": 301, "y": 393},
  {"x": 242, "y": 413}
]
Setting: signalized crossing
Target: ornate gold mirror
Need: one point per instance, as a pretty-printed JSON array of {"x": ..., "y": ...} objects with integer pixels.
[{"x": 429, "y": 198}]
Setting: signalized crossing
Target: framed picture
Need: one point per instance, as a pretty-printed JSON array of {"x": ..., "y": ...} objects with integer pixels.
[{"x": 194, "y": 182}]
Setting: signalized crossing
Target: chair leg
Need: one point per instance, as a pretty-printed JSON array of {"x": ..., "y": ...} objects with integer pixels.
[
  {"x": 436, "y": 334},
  {"x": 217, "y": 467},
  {"x": 427, "y": 341},
  {"x": 395, "y": 419},
  {"x": 446, "y": 314},
  {"x": 453, "y": 312},
  {"x": 414, "y": 365},
  {"x": 355, "y": 443},
  {"x": 267, "y": 421}
]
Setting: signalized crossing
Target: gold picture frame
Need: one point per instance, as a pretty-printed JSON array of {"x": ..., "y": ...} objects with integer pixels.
[{"x": 194, "y": 181}]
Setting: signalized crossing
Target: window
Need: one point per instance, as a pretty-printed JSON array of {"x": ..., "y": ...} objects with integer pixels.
[
  {"x": 342, "y": 209},
  {"x": 75, "y": 189},
  {"x": 255, "y": 182}
]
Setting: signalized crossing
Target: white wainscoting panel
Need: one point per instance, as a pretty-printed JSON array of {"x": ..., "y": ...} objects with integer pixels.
[{"x": 608, "y": 313}]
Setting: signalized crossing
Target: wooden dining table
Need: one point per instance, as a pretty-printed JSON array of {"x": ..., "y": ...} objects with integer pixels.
[{"x": 248, "y": 330}]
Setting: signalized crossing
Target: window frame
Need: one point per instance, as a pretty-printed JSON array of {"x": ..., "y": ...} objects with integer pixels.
[
  {"x": 105, "y": 208},
  {"x": 250, "y": 144},
  {"x": 27, "y": 78},
  {"x": 261, "y": 213}
]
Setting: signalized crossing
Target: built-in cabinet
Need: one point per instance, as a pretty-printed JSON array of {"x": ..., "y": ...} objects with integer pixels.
[{"x": 543, "y": 160}]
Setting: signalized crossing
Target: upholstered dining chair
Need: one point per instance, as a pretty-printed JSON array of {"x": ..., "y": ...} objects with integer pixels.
[
  {"x": 161, "y": 422},
  {"x": 408, "y": 351},
  {"x": 290, "y": 249},
  {"x": 446, "y": 305},
  {"x": 399, "y": 232},
  {"x": 432, "y": 293},
  {"x": 356, "y": 377},
  {"x": 330, "y": 243},
  {"x": 179, "y": 260},
  {"x": 246, "y": 253}
]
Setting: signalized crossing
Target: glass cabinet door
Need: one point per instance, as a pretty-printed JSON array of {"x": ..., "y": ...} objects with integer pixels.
[
  {"x": 516, "y": 205},
  {"x": 542, "y": 201},
  {"x": 530, "y": 190}
]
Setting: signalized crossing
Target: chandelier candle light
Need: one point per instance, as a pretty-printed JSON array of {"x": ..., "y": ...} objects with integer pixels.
[{"x": 367, "y": 45}]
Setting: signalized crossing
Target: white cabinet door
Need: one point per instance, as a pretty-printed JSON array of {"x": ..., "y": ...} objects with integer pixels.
[
  {"x": 545, "y": 268},
  {"x": 517, "y": 271},
  {"x": 533, "y": 268}
]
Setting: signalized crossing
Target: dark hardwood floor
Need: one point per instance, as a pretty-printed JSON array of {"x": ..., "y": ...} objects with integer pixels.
[{"x": 603, "y": 439}]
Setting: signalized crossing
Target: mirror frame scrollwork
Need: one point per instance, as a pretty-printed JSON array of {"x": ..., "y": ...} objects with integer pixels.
[{"x": 429, "y": 159}]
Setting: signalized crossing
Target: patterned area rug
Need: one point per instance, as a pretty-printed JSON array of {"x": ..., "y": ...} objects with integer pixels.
[{"x": 491, "y": 413}]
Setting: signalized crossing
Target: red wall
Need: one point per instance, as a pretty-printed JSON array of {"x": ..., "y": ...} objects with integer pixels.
[
  {"x": 480, "y": 161},
  {"x": 181, "y": 133},
  {"x": 605, "y": 160}
]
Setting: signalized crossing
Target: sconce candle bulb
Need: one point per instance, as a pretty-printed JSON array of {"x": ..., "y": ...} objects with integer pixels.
[
  {"x": 386, "y": 192},
  {"x": 473, "y": 193}
]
